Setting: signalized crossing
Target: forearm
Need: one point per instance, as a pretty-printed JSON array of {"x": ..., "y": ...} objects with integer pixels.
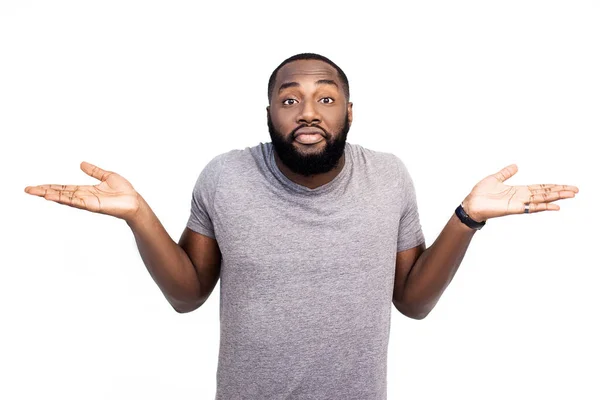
[
  {"x": 434, "y": 269},
  {"x": 167, "y": 263}
]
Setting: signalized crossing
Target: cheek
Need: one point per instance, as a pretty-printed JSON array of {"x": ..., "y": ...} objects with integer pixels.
[
  {"x": 283, "y": 121},
  {"x": 336, "y": 120}
]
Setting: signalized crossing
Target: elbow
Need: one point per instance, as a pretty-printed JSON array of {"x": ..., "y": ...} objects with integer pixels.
[
  {"x": 182, "y": 307},
  {"x": 418, "y": 315},
  {"x": 182, "y": 310},
  {"x": 412, "y": 311}
]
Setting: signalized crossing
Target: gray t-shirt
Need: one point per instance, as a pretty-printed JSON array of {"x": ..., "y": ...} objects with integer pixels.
[{"x": 307, "y": 275}]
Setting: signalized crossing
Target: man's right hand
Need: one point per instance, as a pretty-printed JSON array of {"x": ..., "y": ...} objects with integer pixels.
[{"x": 114, "y": 195}]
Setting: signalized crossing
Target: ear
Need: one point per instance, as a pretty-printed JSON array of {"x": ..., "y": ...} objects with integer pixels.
[{"x": 349, "y": 113}]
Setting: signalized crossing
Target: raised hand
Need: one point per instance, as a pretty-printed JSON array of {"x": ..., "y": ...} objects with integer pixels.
[
  {"x": 114, "y": 195},
  {"x": 491, "y": 198}
]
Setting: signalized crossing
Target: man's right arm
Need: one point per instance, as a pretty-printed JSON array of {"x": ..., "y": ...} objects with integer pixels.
[{"x": 187, "y": 272}]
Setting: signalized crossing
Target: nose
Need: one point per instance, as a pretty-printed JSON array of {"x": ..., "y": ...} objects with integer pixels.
[{"x": 308, "y": 114}]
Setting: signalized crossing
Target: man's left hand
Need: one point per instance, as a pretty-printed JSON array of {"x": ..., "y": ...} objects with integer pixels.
[{"x": 491, "y": 198}]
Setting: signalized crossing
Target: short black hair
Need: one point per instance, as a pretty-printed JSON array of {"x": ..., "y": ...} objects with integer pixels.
[{"x": 310, "y": 56}]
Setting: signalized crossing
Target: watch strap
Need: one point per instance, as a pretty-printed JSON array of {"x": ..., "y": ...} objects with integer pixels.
[{"x": 465, "y": 219}]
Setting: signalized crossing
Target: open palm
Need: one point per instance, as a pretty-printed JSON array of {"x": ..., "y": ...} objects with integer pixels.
[
  {"x": 491, "y": 197},
  {"x": 114, "y": 195}
]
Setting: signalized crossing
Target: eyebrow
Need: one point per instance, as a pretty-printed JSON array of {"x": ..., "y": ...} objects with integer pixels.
[{"x": 296, "y": 84}]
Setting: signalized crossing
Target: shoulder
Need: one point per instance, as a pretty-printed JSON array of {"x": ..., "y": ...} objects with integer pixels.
[
  {"x": 380, "y": 160},
  {"x": 235, "y": 158},
  {"x": 233, "y": 165},
  {"x": 210, "y": 174}
]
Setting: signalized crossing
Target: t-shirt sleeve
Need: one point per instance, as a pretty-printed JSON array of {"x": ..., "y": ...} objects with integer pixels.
[
  {"x": 203, "y": 194},
  {"x": 410, "y": 233}
]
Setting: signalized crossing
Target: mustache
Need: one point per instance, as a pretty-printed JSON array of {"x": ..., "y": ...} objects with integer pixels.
[{"x": 292, "y": 134}]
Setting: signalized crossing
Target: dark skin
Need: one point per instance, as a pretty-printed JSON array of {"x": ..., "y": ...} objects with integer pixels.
[
  {"x": 307, "y": 92},
  {"x": 422, "y": 273},
  {"x": 299, "y": 97}
]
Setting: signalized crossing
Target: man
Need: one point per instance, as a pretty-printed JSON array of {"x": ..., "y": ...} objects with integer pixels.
[{"x": 312, "y": 238}]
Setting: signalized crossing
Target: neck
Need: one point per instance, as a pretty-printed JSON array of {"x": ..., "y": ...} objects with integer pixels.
[{"x": 312, "y": 181}]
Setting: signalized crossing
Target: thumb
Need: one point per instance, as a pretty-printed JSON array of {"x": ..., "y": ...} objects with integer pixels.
[
  {"x": 506, "y": 172},
  {"x": 93, "y": 171}
]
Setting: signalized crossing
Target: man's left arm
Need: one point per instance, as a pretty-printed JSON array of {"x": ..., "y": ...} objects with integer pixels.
[{"x": 422, "y": 274}]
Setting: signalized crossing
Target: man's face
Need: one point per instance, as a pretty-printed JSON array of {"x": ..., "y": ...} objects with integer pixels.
[{"x": 309, "y": 117}]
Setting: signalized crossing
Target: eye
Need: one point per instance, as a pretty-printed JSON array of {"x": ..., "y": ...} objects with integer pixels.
[
  {"x": 288, "y": 102},
  {"x": 326, "y": 100}
]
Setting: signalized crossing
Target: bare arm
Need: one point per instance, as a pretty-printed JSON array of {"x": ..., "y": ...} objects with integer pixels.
[
  {"x": 422, "y": 274},
  {"x": 187, "y": 272}
]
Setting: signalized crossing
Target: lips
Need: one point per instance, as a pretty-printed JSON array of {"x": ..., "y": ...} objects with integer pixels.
[{"x": 309, "y": 131}]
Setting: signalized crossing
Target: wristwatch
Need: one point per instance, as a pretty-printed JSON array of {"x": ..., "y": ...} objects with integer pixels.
[{"x": 465, "y": 219}]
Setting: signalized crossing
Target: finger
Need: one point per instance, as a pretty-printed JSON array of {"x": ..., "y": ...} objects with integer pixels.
[
  {"x": 41, "y": 190},
  {"x": 552, "y": 188},
  {"x": 537, "y": 207},
  {"x": 64, "y": 197},
  {"x": 550, "y": 196},
  {"x": 94, "y": 171},
  {"x": 506, "y": 172}
]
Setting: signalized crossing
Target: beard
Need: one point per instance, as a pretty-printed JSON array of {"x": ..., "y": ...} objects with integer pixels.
[{"x": 309, "y": 164}]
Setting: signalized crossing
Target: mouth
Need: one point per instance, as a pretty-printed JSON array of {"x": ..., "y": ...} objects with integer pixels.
[{"x": 309, "y": 135}]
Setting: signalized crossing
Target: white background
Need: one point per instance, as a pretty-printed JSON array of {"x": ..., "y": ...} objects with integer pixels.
[{"x": 154, "y": 89}]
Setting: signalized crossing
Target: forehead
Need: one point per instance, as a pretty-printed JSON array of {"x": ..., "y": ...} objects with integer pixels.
[{"x": 306, "y": 70}]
